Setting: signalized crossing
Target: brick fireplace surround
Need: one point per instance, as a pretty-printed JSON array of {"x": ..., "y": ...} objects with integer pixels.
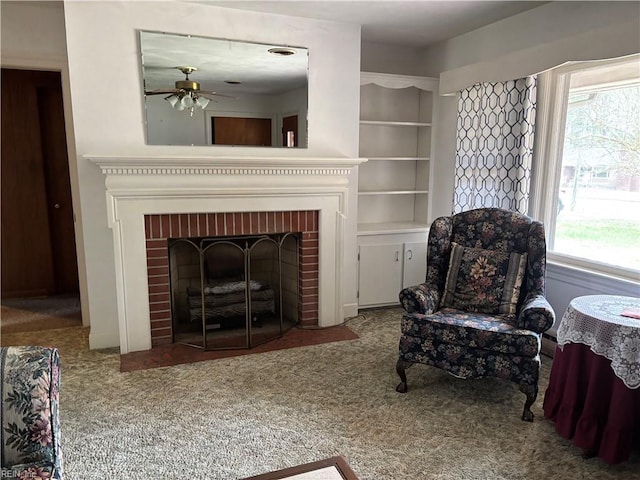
[{"x": 159, "y": 228}]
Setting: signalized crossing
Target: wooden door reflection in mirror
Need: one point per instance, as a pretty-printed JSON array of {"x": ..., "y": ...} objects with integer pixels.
[{"x": 241, "y": 131}]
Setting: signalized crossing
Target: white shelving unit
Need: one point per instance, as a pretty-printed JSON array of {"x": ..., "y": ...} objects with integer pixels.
[{"x": 396, "y": 115}]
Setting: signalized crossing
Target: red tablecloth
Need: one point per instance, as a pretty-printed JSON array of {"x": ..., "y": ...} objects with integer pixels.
[{"x": 591, "y": 405}]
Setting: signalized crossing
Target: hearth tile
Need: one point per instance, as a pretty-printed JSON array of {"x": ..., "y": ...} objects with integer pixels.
[
  {"x": 157, "y": 342},
  {"x": 175, "y": 354}
]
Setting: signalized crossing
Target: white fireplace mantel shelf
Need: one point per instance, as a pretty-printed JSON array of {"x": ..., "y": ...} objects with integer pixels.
[
  {"x": 136, "y": 186},
  {"x": 207, "y": 165}
]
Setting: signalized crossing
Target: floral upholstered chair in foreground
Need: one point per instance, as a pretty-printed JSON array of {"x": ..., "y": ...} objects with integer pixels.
[
  {"x": 30, "y": 379},
  {"x": 482, "y": 310}
]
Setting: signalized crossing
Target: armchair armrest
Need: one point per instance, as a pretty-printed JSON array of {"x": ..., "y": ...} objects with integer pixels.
[
  {"x": 423, "y": 298},
  {"x": 536, "y": 314}
]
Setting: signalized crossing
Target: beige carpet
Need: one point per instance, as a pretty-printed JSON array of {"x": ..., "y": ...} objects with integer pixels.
[
  {"x": 236, "y": 417},
  {"x": 30, "y": 314}
]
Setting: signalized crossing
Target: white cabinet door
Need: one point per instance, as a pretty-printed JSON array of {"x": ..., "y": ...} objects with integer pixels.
[
  {"x": 415, "y": 264},
  {"x": 380, "y": 278}
]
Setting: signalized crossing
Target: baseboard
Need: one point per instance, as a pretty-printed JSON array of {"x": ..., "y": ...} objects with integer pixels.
[{"x": 350, "y": 310}]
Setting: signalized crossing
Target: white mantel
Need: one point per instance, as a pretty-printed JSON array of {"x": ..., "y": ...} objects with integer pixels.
[{"x": 137, "y": 186}]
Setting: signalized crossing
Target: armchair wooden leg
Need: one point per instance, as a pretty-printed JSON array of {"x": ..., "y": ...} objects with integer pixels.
[
  {"x": 527, "y": 414},
  {"x": 401, "y": 366}
]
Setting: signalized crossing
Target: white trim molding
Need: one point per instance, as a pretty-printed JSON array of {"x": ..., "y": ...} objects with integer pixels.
[{"x": 389, "y": 80}]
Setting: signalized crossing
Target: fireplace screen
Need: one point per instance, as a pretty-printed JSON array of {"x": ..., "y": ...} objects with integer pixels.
[{"x": 233, "y": 292}]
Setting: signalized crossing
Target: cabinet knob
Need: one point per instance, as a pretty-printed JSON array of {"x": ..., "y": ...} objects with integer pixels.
[
  {"x": 409, "y": 254},
  {"x": 397, "y": 255},
  {"x": 57, "y": 205}
]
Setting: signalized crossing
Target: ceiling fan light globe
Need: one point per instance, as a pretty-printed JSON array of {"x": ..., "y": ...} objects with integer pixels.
[
  {"x": 202, "y": 102},
  {"x": 172, "y": 99},
  {"x": 187, "y": 101}
]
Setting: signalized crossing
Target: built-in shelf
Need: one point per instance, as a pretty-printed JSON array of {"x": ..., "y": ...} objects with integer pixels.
[
  {"x": 385, "y": 228},
  {"x": 396, "y": 123},
  {"x": 392, "y": 192},
  {"x": 388, "y": 123},
  {"x": 400, "y": 159}
]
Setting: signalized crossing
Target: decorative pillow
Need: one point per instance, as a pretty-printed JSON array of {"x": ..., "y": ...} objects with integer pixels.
[{"x": 486, "y": 281}]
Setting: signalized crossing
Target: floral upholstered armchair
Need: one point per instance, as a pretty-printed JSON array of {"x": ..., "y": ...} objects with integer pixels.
[
  {"x": 30, "y": 421},
  {"x": 481, "y": 311}
]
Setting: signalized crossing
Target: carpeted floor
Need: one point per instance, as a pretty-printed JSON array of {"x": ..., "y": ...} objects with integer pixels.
[
  {"x": 236, "y": 417},
  {"x": 43, "y": 313}
]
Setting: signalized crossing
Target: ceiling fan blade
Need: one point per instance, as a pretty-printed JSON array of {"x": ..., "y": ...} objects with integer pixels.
[
  {"x": 215, "y": 94},
  {"x": 161, "y": 91}
]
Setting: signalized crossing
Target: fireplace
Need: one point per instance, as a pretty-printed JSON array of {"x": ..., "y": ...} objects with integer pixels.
[
  {"x": 196, "y": 238},
  {"x": 147, "y": 198}
]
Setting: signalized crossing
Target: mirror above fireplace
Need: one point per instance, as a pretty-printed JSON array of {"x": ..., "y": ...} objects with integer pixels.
[{"x": 208, "y": 92}]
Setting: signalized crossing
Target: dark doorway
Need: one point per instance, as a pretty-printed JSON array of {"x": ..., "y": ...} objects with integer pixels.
[
  {"x": 290, "y": 131},
  {"x": 38, "y": 241},
  {"x": 241, "y": 131}
]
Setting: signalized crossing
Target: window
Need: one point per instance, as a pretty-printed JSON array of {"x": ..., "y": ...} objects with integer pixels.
[{"x": 588, "y": 180}]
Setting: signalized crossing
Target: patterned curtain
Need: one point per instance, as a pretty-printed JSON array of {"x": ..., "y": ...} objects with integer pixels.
[{"x": 494, "y": 145}]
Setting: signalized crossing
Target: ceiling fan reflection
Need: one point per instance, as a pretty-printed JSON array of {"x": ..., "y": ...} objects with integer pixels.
[{"x": 186, "y": 94}]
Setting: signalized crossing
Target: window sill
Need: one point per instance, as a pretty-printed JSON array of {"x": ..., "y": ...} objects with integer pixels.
[{"x": 573, "y": 266}]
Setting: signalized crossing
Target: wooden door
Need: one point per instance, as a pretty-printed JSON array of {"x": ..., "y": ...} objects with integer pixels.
[
  {"x": 290, "y": 128},
  {"x": 38, "y": 242},
  {"x": 241, "y": 131}
]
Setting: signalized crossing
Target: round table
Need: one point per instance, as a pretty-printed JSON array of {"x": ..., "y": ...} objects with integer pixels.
[{"x": 594, "y": 386}]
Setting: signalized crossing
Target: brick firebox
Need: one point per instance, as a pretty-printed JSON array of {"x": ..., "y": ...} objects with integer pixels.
[{"x": 159, "y": 228}]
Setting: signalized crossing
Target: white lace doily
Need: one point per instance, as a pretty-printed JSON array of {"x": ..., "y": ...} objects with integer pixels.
[{"x": 595, "y": 320}]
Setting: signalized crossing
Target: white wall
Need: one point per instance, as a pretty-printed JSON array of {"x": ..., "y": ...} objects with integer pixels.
[
  {"x": 108, "y": 110},
  {"x": 528, "y": 43},
  {"x": 536, "y": 40},
  {"x": 383, "y": 58},
  {"x": 32, "y": 30}
]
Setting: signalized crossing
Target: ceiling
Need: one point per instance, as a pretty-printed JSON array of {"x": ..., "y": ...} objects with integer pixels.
[
  {"x": 412, "y": 23},
  {"x": 407, "y": 23}
]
